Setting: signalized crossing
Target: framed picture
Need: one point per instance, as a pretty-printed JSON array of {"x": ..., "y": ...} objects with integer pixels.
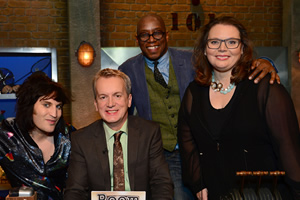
[{"x": 16, "y": 64}]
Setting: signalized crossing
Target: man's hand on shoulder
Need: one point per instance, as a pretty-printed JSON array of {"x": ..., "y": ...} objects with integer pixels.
[{"x": 263, "y": 67}]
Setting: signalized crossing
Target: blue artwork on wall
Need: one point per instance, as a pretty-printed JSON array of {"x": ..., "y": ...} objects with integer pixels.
[{"x": 16, "y": 64}]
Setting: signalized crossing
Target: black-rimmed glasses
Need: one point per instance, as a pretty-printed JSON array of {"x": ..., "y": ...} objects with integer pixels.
[
  {"x": 144, "y": 37},
  {"x": 230, "y": 43}
]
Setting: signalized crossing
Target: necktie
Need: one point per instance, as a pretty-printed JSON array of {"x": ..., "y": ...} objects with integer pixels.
[
  {"x": 158, "y": 76},
  {"x": 118, "y": 171}
]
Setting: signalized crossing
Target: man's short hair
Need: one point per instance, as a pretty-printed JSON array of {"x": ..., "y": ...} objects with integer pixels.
[{"x": 107, "y": 73}]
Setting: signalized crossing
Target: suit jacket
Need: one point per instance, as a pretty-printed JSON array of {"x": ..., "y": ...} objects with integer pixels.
[
  {"x": 135, "y": 69},
  {"x": 147, "y": 168}
]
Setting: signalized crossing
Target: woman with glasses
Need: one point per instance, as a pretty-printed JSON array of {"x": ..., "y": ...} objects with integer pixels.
[{"x": 229, "y": 127}]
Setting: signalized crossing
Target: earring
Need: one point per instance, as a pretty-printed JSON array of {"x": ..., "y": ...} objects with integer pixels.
[{"x": 205, "y": 53}]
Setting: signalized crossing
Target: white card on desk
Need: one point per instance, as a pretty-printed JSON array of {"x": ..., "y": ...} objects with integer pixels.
[{"x": 118, "y": 195}]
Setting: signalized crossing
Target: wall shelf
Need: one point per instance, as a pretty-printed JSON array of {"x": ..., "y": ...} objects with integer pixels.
[{"x": 7, "y": 96}]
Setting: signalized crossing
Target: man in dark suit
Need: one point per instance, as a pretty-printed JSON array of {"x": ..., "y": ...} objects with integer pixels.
[{"x": 91, "y": 161}]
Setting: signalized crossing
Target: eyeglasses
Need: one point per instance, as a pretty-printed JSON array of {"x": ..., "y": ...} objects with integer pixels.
[
  {"x": 144, "y": 37},
  {"x": 230, "y": 43}
]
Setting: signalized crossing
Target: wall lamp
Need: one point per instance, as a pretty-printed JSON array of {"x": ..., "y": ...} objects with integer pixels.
[{"x": 85, "y": 54}]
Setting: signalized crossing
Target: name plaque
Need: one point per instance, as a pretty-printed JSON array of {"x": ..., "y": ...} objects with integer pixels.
[{"x": 118, "y": 195}]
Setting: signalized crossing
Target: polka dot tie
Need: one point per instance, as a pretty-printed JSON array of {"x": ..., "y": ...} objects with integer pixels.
[{"x": 158, "y": 76}]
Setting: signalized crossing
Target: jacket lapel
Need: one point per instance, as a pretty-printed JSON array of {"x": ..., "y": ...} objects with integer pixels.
[
  {"x": 133, "y": 146},
  {"x": 102, "y": 154},
  {"x": 140, "y": 90}
]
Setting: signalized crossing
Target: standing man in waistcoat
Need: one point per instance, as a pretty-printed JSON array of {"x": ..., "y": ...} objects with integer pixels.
[{"x": 157, "y": 97}]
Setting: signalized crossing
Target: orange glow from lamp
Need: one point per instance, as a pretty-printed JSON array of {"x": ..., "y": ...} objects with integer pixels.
[{"x": 85, "y": 54}]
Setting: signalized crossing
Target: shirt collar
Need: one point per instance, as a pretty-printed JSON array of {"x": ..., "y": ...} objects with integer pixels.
[
  {"x": 110, "y": 132},
  {"x": 163, "y": 61}
]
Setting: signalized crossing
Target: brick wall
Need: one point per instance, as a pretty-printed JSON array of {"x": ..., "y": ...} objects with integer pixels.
[
  {"x": 44, "y": 23},
  {"x": 263, "y": 19},
  {"x": 37, "y": 23}
]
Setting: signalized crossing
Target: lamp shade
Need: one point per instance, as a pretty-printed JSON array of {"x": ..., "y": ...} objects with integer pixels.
[{"x": 85, "y": 54}]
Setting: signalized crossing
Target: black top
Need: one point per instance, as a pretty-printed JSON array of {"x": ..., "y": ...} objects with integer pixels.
[{"x": 257, "y": 130}]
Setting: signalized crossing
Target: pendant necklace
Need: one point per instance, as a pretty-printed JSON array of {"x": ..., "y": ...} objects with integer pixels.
[{"x": 217, "y": 86}]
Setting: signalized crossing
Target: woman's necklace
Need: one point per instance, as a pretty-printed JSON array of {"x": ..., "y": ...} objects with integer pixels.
[{"x": 218, "y": 86}]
